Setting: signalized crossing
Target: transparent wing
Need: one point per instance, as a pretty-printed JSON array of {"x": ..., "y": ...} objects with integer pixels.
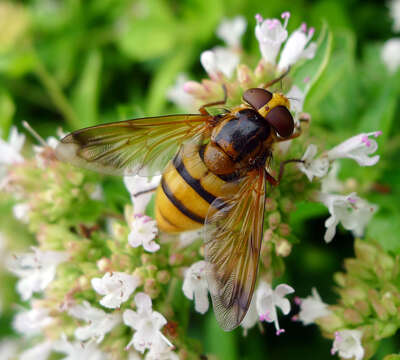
[
  {"x": 233, "y": 237},
  {"x": 140, "y": 146}
]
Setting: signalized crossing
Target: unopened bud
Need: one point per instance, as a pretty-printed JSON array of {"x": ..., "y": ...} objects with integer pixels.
[
  {"x": 284, "y": 230},
  {"x": 352, "y": 316},
  {"x": 270, "y": 204},
  {"x": 176, "y": 259},
  {"x": 163, "y": 276},
  {"x": 83, "y": 282},
  {"x": 268, "y": 235},
  {"x": 244, "y": 75},
  {"x": 104, "y": 264},
  {"x": 274, "y": 219},
  {"x": 365, "y": 251},
  {"x": 283, "y": 247},
  {"x": 287, "y": 205},
  {"x": 146, "y": 259},
  {"x": 151, "y": 288}
]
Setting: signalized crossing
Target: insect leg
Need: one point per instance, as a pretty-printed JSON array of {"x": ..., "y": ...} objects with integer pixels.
[
  {"x": 144, "y": 191},
  {"x": 203, "y": 110},
  {"x": 275, "y": 182},
  {"x": 274, "y": 81}
]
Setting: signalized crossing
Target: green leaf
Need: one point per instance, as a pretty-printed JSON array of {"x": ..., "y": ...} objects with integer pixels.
[
  {"x": 314, "y": 67},
  {"x": 7, "y": 110},
  {"x": 86, "y": 93},
  {"x": 392, "y": 357},
  {"x": 380, "y": 113},
  {"x": 163, "y": 78},
  {"x": 385, "y": 228},
  {"x": 219, "y": 343}
]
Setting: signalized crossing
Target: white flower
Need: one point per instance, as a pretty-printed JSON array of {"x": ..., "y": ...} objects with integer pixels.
[
  {"x": 296, "y": 47},
  {"x": 267, "y": 300},
  {"x": 36, "y": 270},
  {"x": 390, "y": 54},
  {"x": 313, "y": 167},
  {"x": 143, "y": 232},
  {"x": 116, "y": 287},
  {"x": 147, "y": 324},
  {"x": 312, "y": 307},
  {"x": 270, "y": 34},
  {"x": 161, "y": 351},
  {"x": 10, "y": 152},
  {"x": 140, "y": 188},
  {"x": 394, "y": 8},
  {"x": 330, "y": 183},
  {"x": 232, "y": 30},
  {"x": 188, "y": 237},
  {"x": 100, "y": 323},
  {"x": 251, "y": 317},
  {"x": 179, "y": 96},
  {"x": 219, "y": 61},
  {"x": 296, "y": 97},
  {"x": 353, "y": 212},
  {"x": 195, "y": 286},
  {"x": 79, "y": 350},
  {"x": 31, "y": 322},
  {"x": 8, "y": 349},
  {"x": 358, "y": 148},
  {"x": 348, "y": 344},
  {"x": 40, "y": 351},
  {"x": 21, "y": 212}
]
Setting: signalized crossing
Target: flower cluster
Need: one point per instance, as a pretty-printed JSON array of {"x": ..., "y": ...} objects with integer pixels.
[{"x": 103, "y": 282}]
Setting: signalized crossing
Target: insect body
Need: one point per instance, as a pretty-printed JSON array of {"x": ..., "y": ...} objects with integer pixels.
[{"x": 217, "y": 178}]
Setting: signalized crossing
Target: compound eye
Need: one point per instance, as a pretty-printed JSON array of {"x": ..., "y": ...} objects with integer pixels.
[
  {"x": 281, "y": 120},
  {"x": 257, "y": 97}
]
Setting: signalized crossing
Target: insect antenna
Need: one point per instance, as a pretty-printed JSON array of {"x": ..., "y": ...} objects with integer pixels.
[{"x": 34, "y": 133}]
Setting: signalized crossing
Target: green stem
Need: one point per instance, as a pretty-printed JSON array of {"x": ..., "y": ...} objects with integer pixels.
[{"x": 56, "y": 94}]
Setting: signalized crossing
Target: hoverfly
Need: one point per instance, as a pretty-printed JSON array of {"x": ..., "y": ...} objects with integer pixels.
[{"x": 217, "y": 178}]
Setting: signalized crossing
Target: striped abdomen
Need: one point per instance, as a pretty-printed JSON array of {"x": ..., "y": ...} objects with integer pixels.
[{"x": 186, "y": 192}]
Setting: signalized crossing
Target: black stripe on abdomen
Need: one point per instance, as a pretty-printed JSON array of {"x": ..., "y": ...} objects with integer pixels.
[
  {"x": 177, "y": 203},
  {"x": 194, "y": 183}
]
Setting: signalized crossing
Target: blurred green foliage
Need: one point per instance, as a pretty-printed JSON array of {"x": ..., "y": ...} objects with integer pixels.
[{"x": 76, "y": 63}]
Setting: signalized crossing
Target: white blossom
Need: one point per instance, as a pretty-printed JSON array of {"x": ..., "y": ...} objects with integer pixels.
[
  {"x": 353, "y": 212},
  {"x": 394, "y": 8},
  {"x": 251, "y": 318},
  {"x": 161, "y": 351},
  {"x": 195, "y": 286},
  {"x": 390, "y": 54},
  {"x": 40, "y": 351},
  {"x": 313, "y": 167},
  {"x": 179, "y": 96},
  {"x": 31, "y": 322},
  {"x": 267, "y": 300},
  {"x": 296, "y": 97},
  {"x": 116, "y": 287},
  {"x": 232, "y": 30},
  {"x": 312, "y": 308},
  {"x": 296, "y": 47},
  {"x": 146, "y": 323},
  {"x": 36, "y": 270},
  {"x": 330, "y": 183},
  {"x": 78, "y": 350},
  {"x": 21, "y": 212},
  {"x": 219, "y": 61},
  {"x": 358, "y": 148},
  {"x": 99, "y": 322},
  {"x": 10, "y": 151},
  {"x": 8, "y": 349},
  {"x": 143, "y": 232},
  {"x": 348, "y": 344},
  {"x": 271, "y": 33},
  {"x": 139, "y": 187}
]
